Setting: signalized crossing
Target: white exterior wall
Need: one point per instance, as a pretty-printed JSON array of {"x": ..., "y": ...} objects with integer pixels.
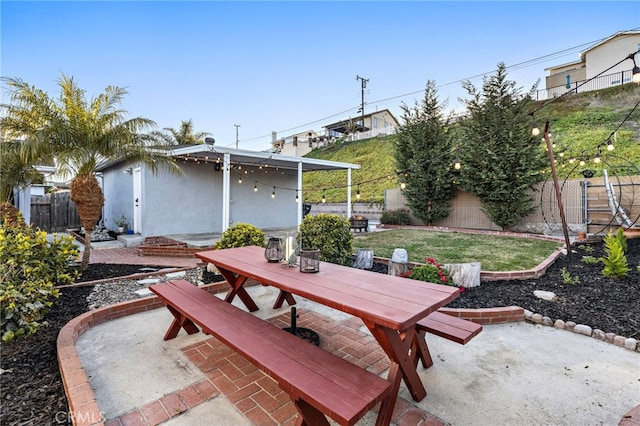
[
  {"x": 192, "y": 203},
  {"x": 602, "y": 57}
]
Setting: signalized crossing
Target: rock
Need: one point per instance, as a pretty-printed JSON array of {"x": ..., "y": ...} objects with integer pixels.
[
  {"x": 175, "y": 275},
  {"x": 583, "y": 329},
  {"x": 149, "y": 281},
  {"x": 527, "y": 314},
  {"x": 599, "y": 334},
  {"x": 537, "y": 318},
  {"x": 212, "y": 268},
  {"x": 618, "y": 341},
  {"x": 569, "y": 325},
  {"x": 143, "y": 292},
  {"x": 609, "y": 337},
  {"x": 545, "y": 295},
  {"x": 464, "y": 274},
  {"x": 547, "y": 321},
  {"x": 400, "y": 256},
  {"x": 630, "y": 343},
  {"x": 559, "y": 324}
]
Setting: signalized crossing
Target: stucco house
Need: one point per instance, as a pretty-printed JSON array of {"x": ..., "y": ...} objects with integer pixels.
[
  {"x": 217, "y": 188},
  {"x": 378, "y": 123},
  {"x": 594, "y": 60}
]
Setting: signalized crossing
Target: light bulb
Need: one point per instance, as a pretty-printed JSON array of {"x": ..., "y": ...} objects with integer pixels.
[
  {"x": 535, "y": 131},
  {"x": 610, "y": 146},
  {"x": 403, "y": 185}
]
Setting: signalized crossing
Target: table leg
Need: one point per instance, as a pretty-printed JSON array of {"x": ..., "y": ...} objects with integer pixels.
[
  {"x": 236, "y": 283},
  {"x": 397, "y": 346},
  {"x": 282, "y": 296}
]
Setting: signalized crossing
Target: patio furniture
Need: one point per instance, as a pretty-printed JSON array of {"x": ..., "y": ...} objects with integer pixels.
[{"x": 359, "y": 222}]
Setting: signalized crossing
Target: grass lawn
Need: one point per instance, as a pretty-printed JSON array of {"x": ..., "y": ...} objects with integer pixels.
[{"x": 493, "y": 252}]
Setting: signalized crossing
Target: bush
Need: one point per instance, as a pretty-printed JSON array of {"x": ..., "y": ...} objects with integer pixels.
[
  {"x": 241, "y": 235},
  {"x": 431, "y": 272},
  {"x": 396, "y": 217},
  {"x": 615, "y": 263},
  {"x": 30, "y": 267},
  {"x": 330, "y": 234}
]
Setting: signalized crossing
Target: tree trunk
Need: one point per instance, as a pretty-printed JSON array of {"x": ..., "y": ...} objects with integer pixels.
[
  {"x": 398, "y": 269},
  {"x": 87, "y": 194}
]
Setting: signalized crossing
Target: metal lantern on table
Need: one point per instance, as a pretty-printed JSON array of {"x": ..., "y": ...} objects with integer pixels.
[
  {"x": 274, "y": 252},
  {"x": 310, "y": 260}
]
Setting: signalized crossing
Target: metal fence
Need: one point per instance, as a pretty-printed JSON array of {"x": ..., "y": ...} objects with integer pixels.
[{"x": 581, "y": 86}]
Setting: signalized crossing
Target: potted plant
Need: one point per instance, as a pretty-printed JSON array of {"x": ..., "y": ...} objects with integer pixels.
[{"x": 121, "y": 223}]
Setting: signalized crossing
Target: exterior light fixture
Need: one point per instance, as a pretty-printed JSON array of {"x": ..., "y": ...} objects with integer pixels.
[
  {"x": 403, "y": 185},
  {"x": 240, "y": 179},
  {"x": 297, "y": 198},
  {"x": 596, "y": 159},
  {"x": 535, "y": 130},
  {"x": 610, "y": 146},
  {"x": 582, "y": 163}
]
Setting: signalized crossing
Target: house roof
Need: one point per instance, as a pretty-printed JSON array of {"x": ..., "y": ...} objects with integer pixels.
[
  {"x": 211, "y": 153},
  {"x": 343, "y": 125},
  {"x": 608, "y": 39}
]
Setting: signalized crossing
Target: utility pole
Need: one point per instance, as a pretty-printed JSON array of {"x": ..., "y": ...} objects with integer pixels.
[
  {"x": 237, "y": 125},
  {"x": 363, "y": 85}
]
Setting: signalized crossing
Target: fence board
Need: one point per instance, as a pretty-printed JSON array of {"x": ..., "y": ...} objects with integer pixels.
[{"x": 54, "y": 212}]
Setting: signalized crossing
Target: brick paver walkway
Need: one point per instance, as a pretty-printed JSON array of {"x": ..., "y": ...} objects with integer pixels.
[{"x": 129, "y": 256}]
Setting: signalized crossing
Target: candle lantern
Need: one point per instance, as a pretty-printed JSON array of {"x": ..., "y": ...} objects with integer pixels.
[
  {"x": 310, "y": 260},
  {"x": 274, "y": 252}
]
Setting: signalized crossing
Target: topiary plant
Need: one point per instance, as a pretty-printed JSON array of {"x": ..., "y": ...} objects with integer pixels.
[
  {"x": 30, "y": 267},
  {"x": 241, "y": 235},
  {"x": 330, "y": 234},
  {"x": 615, "y": 263}
]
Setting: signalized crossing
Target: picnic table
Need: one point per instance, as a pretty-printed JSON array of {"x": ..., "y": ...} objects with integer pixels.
[{"x": 390, "y": 307}]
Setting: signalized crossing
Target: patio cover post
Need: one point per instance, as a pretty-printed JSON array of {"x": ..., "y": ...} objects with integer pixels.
[
  {"x": 299, "y": 193},
  {"x": 349, "y": 192},
  {"x": 226, "y": 189}
]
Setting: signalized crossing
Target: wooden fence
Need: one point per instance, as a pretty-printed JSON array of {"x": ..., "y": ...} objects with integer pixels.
[{"x": 54, "y": 212}]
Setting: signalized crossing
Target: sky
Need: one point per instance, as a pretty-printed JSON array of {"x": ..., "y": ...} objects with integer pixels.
[{"x": 291, "y": 67}]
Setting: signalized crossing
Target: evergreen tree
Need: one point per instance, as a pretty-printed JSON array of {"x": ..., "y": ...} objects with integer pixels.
[
  {"x": 502, "y": 161},
  {"x": 424, "y": 158}
]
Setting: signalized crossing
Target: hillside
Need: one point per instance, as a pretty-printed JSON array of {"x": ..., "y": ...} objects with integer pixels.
[{"x": 578, "y": 124}]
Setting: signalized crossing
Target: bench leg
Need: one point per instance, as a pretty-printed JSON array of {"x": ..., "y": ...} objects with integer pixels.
[
  {"x": 308, "y": 415},
  {"x": 179, "y": 321},
  {"x": 282, "y": 296},
  {"x": 420, "y": 344}
]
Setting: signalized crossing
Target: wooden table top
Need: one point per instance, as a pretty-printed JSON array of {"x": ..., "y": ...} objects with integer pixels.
[{"x": 389, "y": 301}]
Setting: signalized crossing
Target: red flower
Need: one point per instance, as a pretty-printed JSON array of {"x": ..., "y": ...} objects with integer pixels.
[{"x": 462, "y": 289}]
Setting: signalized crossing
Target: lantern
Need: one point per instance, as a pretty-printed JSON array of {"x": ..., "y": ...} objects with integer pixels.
[
  {"x": 274, "y": 253},
  {"x": 310, "y": 260}
]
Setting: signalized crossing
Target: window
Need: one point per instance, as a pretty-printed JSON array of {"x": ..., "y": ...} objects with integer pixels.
[{"x": 375, "y": 122}]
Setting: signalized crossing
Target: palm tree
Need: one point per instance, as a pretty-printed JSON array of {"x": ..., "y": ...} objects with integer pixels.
[
  {"x": 183, "y": 136},
  {"x": 81, "y": 135},
  {"x": 15, "y": 172}
]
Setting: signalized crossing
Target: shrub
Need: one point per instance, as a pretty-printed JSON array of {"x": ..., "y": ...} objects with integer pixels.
[
  {"x": 587, "y": 248},
  {"x": 622, "y": 239},
  {"x": 432, "y": 272},
  {"x": 396, "y": 217},
  {"x": 11, "y": 214},
  {"x": 30, "y": 267},
  {"x": 330, "y": 234},
  {"x": 615, "y": 263},
  {"x": 589, "y": 260},
  {"x": 241, "y": 235},
  {"x": 567, "y": 278}
]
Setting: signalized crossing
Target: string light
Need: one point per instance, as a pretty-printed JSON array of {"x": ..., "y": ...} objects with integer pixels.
[
  {"x": 297, "y": 199},
  {"x": 457, "y": 164},
  {"x": 273, "y": 194},
  {"x": 324, "y": 199},
  {"x": 535, "y": 130},
  {"x": 610, "y": 146},
  {"x": 358, "y": 193},
  {"x": 597, "y": 158},
  {"x": 255, "y": 187},
  {"x": 403, "y": 185},
  {"x": 240, "y": 179}
]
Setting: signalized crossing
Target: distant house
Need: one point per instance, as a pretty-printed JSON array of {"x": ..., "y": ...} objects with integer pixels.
[
  {"x": 593, "y": 61},
  {"x": 218, "y": 187},
  {"x": 379, "y": 123}
]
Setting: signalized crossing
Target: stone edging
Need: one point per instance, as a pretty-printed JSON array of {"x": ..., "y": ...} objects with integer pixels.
[{"x": 625, "y": 342}]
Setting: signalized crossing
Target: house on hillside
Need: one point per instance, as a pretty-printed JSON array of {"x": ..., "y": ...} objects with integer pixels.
[
  {"x": 597, "y": 59},
  {"x": 218, "y": 187},
  {"x": 379, "y": 123}
]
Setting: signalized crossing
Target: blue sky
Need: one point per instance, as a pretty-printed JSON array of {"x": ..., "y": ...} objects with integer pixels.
[{"x": 291, "y": 66}]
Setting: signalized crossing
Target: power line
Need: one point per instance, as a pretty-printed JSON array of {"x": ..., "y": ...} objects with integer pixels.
[{"x": 520, "y": 65}]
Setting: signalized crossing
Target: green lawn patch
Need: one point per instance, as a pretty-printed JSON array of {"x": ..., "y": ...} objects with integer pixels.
[{"x": 495, "y": 253}]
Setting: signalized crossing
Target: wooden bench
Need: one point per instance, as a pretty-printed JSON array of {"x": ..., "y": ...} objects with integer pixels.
[
  {"x": 452, "y": 328},
  {"x": 318, "y": 382}
]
